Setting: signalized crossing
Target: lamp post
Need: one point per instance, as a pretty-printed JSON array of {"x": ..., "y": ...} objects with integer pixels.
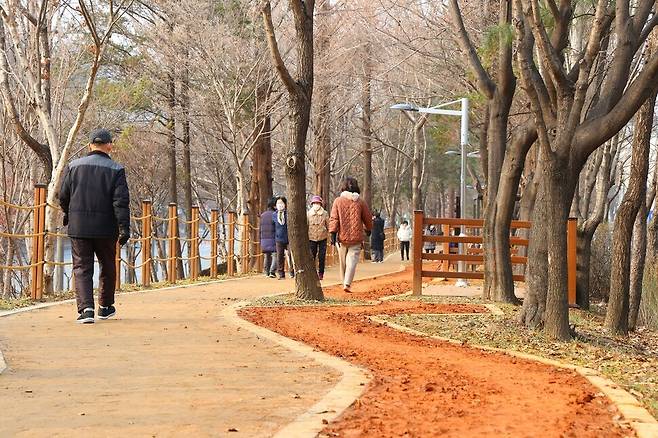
[{"x": 463, "y": 143}]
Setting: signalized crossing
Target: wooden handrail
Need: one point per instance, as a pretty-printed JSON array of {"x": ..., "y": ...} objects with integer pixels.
[{"x": 475, "y": 256}]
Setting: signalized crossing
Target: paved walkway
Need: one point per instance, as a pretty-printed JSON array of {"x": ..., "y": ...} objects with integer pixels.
[{"x": 168, "y": 365}]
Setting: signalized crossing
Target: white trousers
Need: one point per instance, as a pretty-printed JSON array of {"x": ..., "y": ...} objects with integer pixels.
[{"x": 348, "y": 257}]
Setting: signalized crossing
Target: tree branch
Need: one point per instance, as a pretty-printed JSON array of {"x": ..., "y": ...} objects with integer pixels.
[
  {"x": 284, "y": 74},
  {"x": 485, "y": 84}
]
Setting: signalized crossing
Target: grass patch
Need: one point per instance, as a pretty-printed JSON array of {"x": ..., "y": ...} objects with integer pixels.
[
  {"x": 631, "y": 361},
  {"x": 290, "y": 300}
]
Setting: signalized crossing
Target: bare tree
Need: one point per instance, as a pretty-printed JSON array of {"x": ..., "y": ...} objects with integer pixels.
[{"x": 300, "y": 92}]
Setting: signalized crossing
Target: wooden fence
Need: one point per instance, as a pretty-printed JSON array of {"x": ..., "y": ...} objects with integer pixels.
[
  {"x": 231, "y": 240},
  {"x": 467, "y": 248}
]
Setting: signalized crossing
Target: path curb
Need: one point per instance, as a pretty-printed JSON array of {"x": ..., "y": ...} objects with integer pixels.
[
  {"x": 640, "y": 420},
  {"x": 349, "y": 388}
]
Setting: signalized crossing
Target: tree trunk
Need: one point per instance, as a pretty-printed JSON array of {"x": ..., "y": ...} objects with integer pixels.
[
  {"x": 187, "y": 160},
  {"x": 322, "y": 156},
  {"x": 260, "y": 191},
  {"x": 416, "y": 166},
  {"x": 546, "y": 303},
  {"x": 367, "y": 130},
  {"x": 496, "y": 144},
  {"x": 534, "y": 303},
  {"x": 638, "y": 258},
  {"x": 171, "y": 152},
  {"x": 306, "y": 278},
  {"x": 587, "y": 228},
  {"x": 556, "y": 321},
  {"x": 300, "y": 91},
  {"x": 616, "y": 319}
]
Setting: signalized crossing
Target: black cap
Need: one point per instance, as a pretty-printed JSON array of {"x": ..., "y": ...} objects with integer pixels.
[{"x": 100, "y": 136}]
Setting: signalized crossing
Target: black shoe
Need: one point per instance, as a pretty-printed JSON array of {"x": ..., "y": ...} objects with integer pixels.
[
  {"x": 292, "y": 275},
  {"x": 86, "y": 316},
  {"x": 272, "y": 275},
  {"x": 106, "y": 312}
]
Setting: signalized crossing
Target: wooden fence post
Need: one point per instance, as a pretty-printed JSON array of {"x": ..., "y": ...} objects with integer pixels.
[
  {"x": 417, "y": 246},
  {"x": 194, "y": 242},
  {"x": 171, "y": 234},
  {"x": 572, "y": 232},
  {"x": 38, "y": 239},
  {"x": 446, "y": 247},
  {"x": 245, "y": 243},
  {"x": 146, "y": 243},
  {"x": 214, "y": 220},
  {"x": 230, "y": 263}
]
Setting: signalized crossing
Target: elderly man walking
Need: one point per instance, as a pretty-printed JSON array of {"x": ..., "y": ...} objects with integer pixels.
[{"x": 94, "y": 197}]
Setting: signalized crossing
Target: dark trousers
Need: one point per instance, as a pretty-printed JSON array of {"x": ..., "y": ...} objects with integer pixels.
[
  {"x": 269, "y": 268},
  {"x": 319, "y": 250},
  {"x": 281, "y": 259},
  {"x": 82, "y": 252},
  {"x": 377, "y": 255},
  {"x": 404, "y": 248}
]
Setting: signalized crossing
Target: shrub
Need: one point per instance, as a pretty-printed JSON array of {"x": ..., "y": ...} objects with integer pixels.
[{"x": 600, "y": 262}]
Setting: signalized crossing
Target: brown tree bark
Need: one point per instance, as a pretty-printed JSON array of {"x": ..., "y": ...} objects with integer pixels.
[
  {"x": 616, "y": 319},
  {"x": 187, "y": 159},
  {"x": 260, "y": 191},
  {"x": 498, "y": 162},
  {"x": 588, "y": 226},
  {"x": 366, "y": 102},
  {"x": 171, "y": 154},
  {"x": 322, "y": 156},
  {"x": 300, "y": 92}
]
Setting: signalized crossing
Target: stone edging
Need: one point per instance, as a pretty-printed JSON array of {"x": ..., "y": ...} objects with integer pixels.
[
  {"x": 642, "y": 422},
  {"x": 349, "y": 388}
]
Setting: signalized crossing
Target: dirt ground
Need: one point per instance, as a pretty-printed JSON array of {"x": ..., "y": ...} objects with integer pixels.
[{"x": 425, "y": 387}]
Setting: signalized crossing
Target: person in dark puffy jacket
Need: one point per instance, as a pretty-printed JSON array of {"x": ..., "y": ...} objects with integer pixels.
[
  {"x": 267, "y": 241},
  {"x": 96, "y": 203},
  {"x": 377, "y": 239}
]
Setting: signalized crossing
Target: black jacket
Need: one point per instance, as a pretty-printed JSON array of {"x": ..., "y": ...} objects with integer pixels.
[
  {"x": 94, "y": 197},
  {"x": 377, "y": 236}
]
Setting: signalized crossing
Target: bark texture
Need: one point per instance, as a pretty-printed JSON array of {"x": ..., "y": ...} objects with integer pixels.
[
  {"x": 300, "y": 91},
  {"x": 616, "y": 319}
]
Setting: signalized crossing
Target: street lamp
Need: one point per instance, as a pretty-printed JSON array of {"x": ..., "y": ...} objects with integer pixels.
[{"x": 463, "y": 114}]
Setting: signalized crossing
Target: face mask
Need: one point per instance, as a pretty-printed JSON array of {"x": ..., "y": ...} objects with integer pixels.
[
  {"x": 316, "y": 207},
  {"x": 280, "y": 206}
]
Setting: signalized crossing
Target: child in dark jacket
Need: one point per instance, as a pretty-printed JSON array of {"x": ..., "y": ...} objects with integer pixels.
[
  {"x": 267, "y": 237},
  {"x": 280, "y": 219}
]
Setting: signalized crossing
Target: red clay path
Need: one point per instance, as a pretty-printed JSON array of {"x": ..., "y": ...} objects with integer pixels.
[{"x": 427, "y": 388}]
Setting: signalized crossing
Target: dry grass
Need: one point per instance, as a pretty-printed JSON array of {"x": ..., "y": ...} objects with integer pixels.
[{"x": 631, "y": 362}]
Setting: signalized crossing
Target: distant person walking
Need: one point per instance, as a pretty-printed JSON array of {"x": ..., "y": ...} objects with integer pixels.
[
  {"x": 430, "y": 246},
  {"x": 377, "y": 238},
  {"x": 95, "y": 200},
  {"x": 281, "y": 237},
  {"x": 267, "y": 237},
  {"x": 404, "y": 236},
  {"x": 349, "y": 216},
  {"x": 318, "y": 232}
]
